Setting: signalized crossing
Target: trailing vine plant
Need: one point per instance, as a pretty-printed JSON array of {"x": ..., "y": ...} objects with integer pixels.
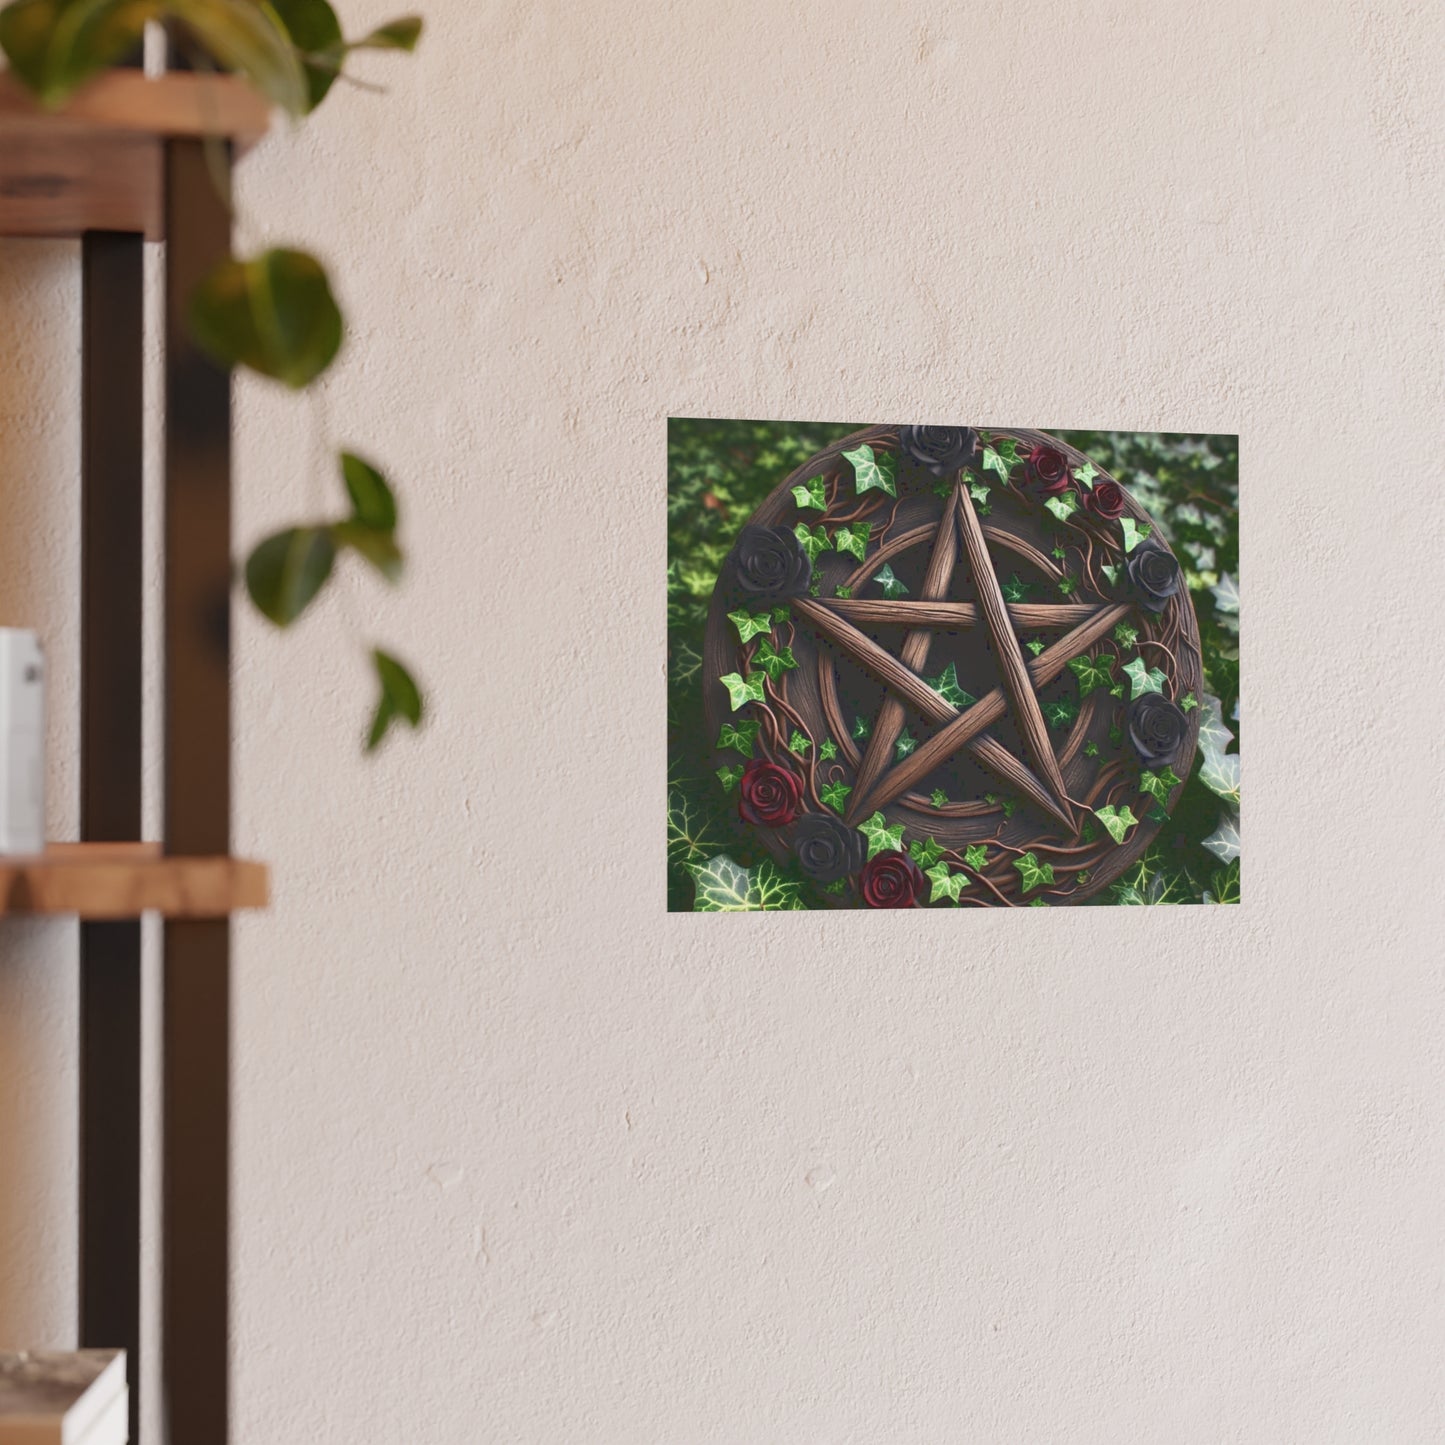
[{"x": 273, "y": 313}]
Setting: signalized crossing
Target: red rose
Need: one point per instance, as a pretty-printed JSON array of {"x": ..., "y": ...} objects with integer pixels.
[
  {"x": 1106, "y": 500},
  {"x": 1048, "y": 469},
  {"x": 770, "y": 794},
  {"x": 892, "y": 880}
]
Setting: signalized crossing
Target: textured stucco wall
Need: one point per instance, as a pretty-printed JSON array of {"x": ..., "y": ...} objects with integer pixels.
[{"x": 519, "y": 1157}]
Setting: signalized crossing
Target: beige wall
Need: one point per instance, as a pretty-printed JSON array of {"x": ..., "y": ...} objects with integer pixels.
[{"x": 521, "y": 1158}]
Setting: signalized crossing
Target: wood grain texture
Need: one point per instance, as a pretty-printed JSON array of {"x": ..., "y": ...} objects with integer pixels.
[
  {"x": 124, "y": 880},
  {"x": 959, "y": 616}
]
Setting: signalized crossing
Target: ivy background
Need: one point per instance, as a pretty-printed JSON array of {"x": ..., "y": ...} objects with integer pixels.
[{"x": 718, "y": 473}]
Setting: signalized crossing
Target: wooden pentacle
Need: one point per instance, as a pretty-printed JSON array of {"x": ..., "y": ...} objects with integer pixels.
[{"x": 955, "y": 666}]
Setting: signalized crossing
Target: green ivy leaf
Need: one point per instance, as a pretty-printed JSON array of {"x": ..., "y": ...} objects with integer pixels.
[
  {"x": 925, "y": 852},
  {"x": 938, "y": 797},
  {"x": 1188, "y": 702},
  {"x": 274, "y": 314},
  {"x": 286, "y": 571},
  {"x": 400, "y": 699},
  {"x": 799, "y": 744},
  {"x": 1223, "y": 842},
  {"x": 1220, "y": 774},
  {"x": 946, "y": 686},
  {"x": 905, "y": 745},
  {"x": 811, "y": 494},
  {"x": 730, "y": 777},
  {"x": 1091, "y": 750},
  {"x": 1142, "y": 679},
  {"x": 841, "y": 591},
  {"x": 1118, "y": 821},
  {"x": 1085, "y": 475},
  {"x": 838, "y": 885},
  {"x": 827, "y": 750},
  {"x": 726, "y": 887},
  {"x": 1125, "y": 635},
  {"x": 742, "y": 690},
  {"x": 1134, "y": 532},
  {"x": 1224, "y": 884},
  {"x": 835, "y": 796},
  {"x": 780, "y": 614},
  {"x": 773, "y": 661},
  {"x": 1009, "y": 805},
  {"x": 1001, "y": 456},
  {"x": 749, "y": 626},
  {"x": 1032, "y": 873},
  {"x": 881, "y": 838},
  {"x": 976, "y": 856},
  {"x": 690, "y": 829},
  {"x": 1035, "y": 645},
  {"x": 1226, "y": 595},
  {"x": 946, "y": 884},
  {"x": 872, "y": 471},
  {"x": 1214, "y": 736},
  {"x": 813, "y": 541},
  {"x": 1159, "y": 784},
  {"x": 891, "y": 585},
  {"x": 861, "y": 729},
  {"x": 1092, "y": 672},
  {"x": 853, "y": 538},
  {"x": 1060, "y": 714},
  {"x": 1068, "y": 586},
  {"x": 1015, "y": 590},
  {"x": 977, "y": 490},
  {"x": 741, "y": 736},
  {"x": 1064, "y": 505},
  {"x": 1112, "y": 571}
]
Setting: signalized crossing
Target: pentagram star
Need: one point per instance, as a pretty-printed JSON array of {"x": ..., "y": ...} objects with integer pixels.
[{"x": 963, "y": 729}]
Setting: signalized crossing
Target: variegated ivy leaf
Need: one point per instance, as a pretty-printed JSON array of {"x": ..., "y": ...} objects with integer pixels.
[
  {"x": 741, "y": 736},
  {"x": 813, "y": 540},
  {"x": 873, "y": 471},
  {"x": 729, "y": 777},
  {"x": 1223, "y": 842},
  {"x": 946, "y": 686},
  {"x": 905, "y": 745},
  {"x": 773, "y": 661},
  {"x": 827, "y": 750},
  {"x": 1118, "y": 821},
  {"x": 853, "y": 538},
  {"x": 861, "y": 729},
  {"x": 835, "y": 796},
  {"x": 1032, "y": 873},
  {"x": 978, "y": 491},
  {"x": 750, "y": 625},
  {"x": 742, "y": 690},
  {"x": 1214, "y": 736},
  {"x": 1060, "y": 714},
  {"x": 1064, "y": 505},
  {"x": 1142, "y": 679},
  {"x": 724, "y": 886},
  {"x": 811, "y": 494},
  {"x": 946, "y": 884},
  {"x": 925, "y": 852},
  {"x": 938, "y": 797},
  {"x": 1134, "y": 532},
  {"x": 881, "y": 838},
  {"x": 1125, "y": 635},
  {"x": 690, "y": 833},
  {"x": 781, "y": 613},
  {"x": 1015, "y": 590},
  {"x": 1092, "y": 672},
  {"x": 799, "y": 744},
  {"x": 1159, "y": 784},
  {"x": 1226, "y": 595},
  {"x": 892, "y": 586},
  {"x": 1220, "y": 774},
  {"x": 1085, "y": 475},
  {"x": 1111, "y": 570},
  {"x": 1001, "y": 456},
  {"x": 976, "y": 856}
]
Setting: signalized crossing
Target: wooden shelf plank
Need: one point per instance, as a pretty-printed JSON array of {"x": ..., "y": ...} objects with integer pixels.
[
  {"x": 124, "y": 880},
  {"x": 95, "y": 164}
]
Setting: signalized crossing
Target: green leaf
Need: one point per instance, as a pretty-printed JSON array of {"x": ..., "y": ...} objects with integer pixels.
[
  {"x": 946, "y": 884},
  {"x": 729, "y": 777},
  {"x": 813, "y": 542},
  {"x": 853, "y": 538},
  {"x": 799, "y": 744},
  {"x": 925, "y": 852},
  {"x": 1142, "y": 679},
  {"x": 1188, "y": 701},
  {"x": 835, "y": 796},
  {"x": 811, "y": 494},
  {"x": 1001, "y": 456},
  {"x": 1125, "y": 635},
  {"x": 286, "y": 571},
  {"x": 378, "y": 548},
  {"x": 722, "y": 886},
  {"x": 741, "y": 736},
  {"x": 827, "y": 751},
  {"x": 1134, "y": 532},
  {"x": 1214, "y": 736},
  {"x": 1032, "y": 873},
  {"x": 773, "y": 661},
  {"x": 1015, "y": 590},
  {"x": 1092, "y": 672},
  {"x": 841, "y": 591},
  {"x": 881, "y": 838},
  {"x": 1068, "y": 586},
  {"x": 1035, "y": 645},
  {"x": 780, "y": 614},
  {"x": 1223, "y": 842},
  {"x": 891, "y": 585},
  {"x": 690, "y": 829},
  {"x": 1064, "y": 505},
  {"x": 1224, "y": 884},
  {"x": 1226, "y": 595},
  {"x": 1117, "y": 820},
  {"x": 905, "y": 745},
  {"x": 938, "y": 798},
  {"x": 1085, "y": 475},
  {"x": 1091, "y": 750},
  {"x": 372, "y": 502},
  {"x": 861, "y": 729},
  {"x": 315, "y": 31},
  {"x": 977, "y": 490},
  {"x": 1159, "y": 784},
  {"x": 250, "y": 40},
  {"x": 758, "y": 624},
  {"x": 1220, "y": 774},
  {"x": 872, "y": 472},
  {"x": 976, "y": 856},
  {"x": 399, "y": 34},
  {"x": 1060, "y": 714},
  {"x": 274, "y": 314},
  {"x": 400, "y": 699},
  {"x": 1112, "y": 571},
  {"x": 838, "y": 885},
  {"x": 773, "y": 891},
  {"x": 742, "y": 690},
  {"x": 1009, "y": 805},
  {"x": 54, "y": 46},
  {"x": 946, "y": 686}
]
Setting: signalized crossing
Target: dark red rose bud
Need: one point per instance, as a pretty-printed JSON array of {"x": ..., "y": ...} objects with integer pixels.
[
  {"x": 770, "y": 794},
  {"x": 1106, "y": 500},
  {"x": 1048, "y": 469},
  {"x": 892, "y": 880}
]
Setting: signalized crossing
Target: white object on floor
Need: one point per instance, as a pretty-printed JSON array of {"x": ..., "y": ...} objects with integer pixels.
[
  {"x": 52, "y": 1397},
  {"x": 22, "y": 729}
]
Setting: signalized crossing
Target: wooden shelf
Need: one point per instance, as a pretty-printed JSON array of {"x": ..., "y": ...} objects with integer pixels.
[
  {"x": 124, "y": 880},
  {"x": 96, "y": 164}
]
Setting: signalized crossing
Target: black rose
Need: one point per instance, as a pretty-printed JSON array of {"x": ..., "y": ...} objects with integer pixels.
[
  {"x": 942, "y": 449},
  {"x": 769, "y": 564},
  {"x": 827, "y": 848},
  {"x": 1156, "y": 728},
  {"x": 1155, "y": 573}
]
